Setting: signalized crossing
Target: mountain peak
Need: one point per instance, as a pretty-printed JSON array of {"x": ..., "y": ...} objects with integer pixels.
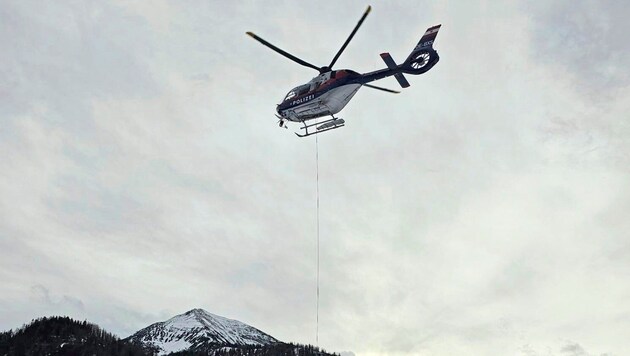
[
  {"x": 200, "y": 314},
  {"x": 198, "y": 329},
  {"x": 196, "y": 311}
]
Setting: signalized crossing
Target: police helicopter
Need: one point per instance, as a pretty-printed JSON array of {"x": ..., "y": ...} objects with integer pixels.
[{"x": 330, "y": 91}]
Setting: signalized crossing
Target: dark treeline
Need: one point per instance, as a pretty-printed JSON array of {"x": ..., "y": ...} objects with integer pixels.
[
  {"x": 279, "y": 349},
  {"x": 63, "y": 336}
]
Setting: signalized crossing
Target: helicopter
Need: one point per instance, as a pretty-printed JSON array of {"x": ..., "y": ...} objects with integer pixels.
[{"x": 330, "y": 91}]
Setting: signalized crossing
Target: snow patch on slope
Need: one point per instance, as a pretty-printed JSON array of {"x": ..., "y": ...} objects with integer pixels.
[{"x": 199, "y": 330}]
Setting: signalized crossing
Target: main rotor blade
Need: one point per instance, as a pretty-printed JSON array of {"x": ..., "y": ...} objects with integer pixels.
[
  {"x": 383, "y": 89},
  {"x": 286, "y": 54},
  {"x": 367, "y": 11}
]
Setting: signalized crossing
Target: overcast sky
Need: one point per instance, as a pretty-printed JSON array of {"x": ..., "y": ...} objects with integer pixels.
[{"x": 483, "y": 211}]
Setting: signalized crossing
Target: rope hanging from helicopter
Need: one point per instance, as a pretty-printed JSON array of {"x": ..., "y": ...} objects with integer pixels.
[{"x": 317, "y": 182}]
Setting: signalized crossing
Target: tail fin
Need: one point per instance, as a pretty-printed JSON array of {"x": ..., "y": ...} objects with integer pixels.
[
  {"x": 428, "y": 37},
  {"x": 423, "y": 57}
]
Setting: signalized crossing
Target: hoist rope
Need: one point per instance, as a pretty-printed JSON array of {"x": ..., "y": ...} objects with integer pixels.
[{"x": 317, "y": 179}]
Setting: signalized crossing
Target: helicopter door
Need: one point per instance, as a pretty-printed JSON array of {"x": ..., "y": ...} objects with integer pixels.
[{"x": 319, "y": 80}]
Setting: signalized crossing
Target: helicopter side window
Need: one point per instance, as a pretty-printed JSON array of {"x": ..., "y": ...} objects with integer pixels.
[
  {"x": 315, "y": 85},
  {"x": 303, "y": 89}
]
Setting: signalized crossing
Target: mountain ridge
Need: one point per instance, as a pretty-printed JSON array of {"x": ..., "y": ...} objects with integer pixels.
[{"x": 199, "y": 330}]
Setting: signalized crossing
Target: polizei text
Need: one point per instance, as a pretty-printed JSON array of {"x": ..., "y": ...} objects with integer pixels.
[{"x": 302, "y": 100}]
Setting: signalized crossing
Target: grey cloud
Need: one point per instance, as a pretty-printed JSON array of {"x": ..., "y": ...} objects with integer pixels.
[
  {"x": 573, "y": 349},
  {"x": 42, "y": 295},
  {"x": 588, "y": 38},
  {"x": 583, "y": 50}
]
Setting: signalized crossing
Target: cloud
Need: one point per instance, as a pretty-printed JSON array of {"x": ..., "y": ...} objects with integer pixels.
[
  {"x": 585, "y": 39},
  {"x": 573, "y": 349},
  {"x": 42, "y": 295}
]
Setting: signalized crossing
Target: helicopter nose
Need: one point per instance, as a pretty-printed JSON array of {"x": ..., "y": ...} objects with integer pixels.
[{"x": 278, "y": 112}]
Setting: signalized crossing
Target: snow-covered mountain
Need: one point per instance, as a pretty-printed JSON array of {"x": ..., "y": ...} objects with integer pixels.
[{"x": 199, "y": 330}]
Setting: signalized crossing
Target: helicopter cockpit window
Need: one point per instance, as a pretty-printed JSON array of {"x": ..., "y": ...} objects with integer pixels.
[
  {"x": 302, "y": 89},
  {"x": 290, "y": 95}
]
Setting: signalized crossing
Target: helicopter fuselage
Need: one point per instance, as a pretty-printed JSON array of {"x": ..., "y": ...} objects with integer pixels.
[{"x": 324, "y": 95}]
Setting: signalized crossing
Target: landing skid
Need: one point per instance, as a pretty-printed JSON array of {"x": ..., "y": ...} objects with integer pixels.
[{"x": 323, "y": 126}]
